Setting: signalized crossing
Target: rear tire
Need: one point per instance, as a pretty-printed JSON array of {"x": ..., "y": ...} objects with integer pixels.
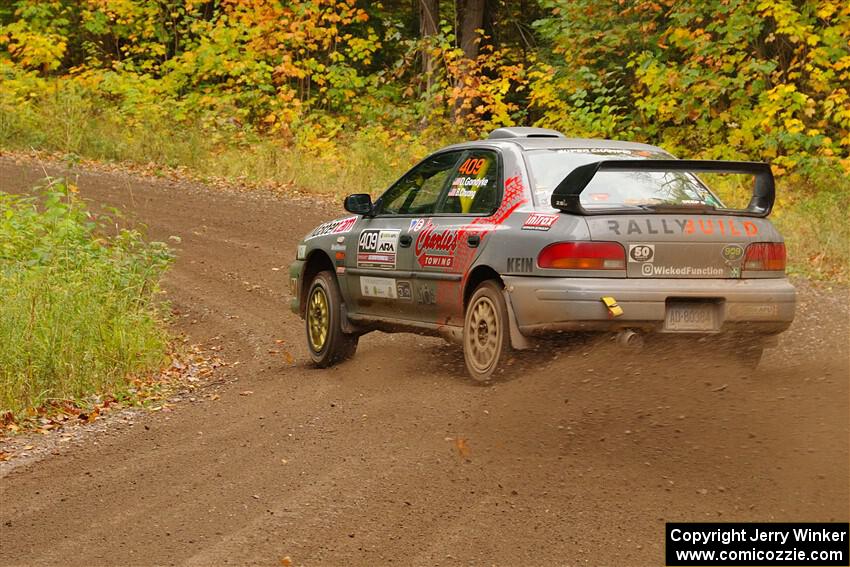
[
  {"x": 485, "y": 332},
  {"x": 326, "y": 341}
]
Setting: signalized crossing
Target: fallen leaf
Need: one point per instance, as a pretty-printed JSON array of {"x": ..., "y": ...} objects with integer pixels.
[
  {"x": 246, "y": 393},
  {"x": 462, "y": 447},
  {"x": 285, "y": 561}
]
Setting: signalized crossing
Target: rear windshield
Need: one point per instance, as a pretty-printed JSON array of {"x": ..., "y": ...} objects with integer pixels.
[{"x": 617, "y": 188}]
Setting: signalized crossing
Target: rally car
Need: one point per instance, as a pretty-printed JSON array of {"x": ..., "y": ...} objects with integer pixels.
[{"x": 528, "y": 233}]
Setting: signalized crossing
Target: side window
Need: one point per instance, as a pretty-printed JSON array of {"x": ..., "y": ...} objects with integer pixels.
[
  {"x": 474, "y": 185},
  {"x": 418, "y": 191}
]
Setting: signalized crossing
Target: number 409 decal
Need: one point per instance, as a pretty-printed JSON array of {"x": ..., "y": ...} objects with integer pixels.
[{"x": 472, "y": 166}]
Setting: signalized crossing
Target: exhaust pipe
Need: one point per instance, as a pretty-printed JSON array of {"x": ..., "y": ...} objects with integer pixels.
[{"x": 627, "y": 338}]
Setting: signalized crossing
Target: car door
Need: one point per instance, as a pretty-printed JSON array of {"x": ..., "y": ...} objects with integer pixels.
[
  {"x": 447, "y": 242},
  {"x": 379, "y": 258}
]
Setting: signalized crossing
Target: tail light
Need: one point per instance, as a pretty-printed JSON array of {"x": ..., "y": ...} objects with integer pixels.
[
  {"x": 583, "y": 256},
  {"x": 765, "y": 256}
]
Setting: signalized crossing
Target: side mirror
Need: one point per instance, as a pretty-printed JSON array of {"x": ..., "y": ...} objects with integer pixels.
[{"x": 359, "y": 204}]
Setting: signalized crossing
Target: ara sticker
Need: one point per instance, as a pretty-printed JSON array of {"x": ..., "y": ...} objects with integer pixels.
[
  {"x": 377, "y": 249},
  {"x": 539, "y": 221}
]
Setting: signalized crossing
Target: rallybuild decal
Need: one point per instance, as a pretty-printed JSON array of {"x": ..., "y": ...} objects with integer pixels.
[
  {"x": 338, "y": 226},
  {"x": 729, "y": 227},
  {"x": 377, "y": 249}
]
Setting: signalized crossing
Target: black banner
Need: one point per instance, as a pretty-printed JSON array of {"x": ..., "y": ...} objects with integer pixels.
[{"x": 762, "y": 544}]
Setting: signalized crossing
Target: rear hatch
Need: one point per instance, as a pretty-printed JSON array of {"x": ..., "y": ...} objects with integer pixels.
[
  {"x": 682, "y": 245},
  {"x": 667, "y": 220}
]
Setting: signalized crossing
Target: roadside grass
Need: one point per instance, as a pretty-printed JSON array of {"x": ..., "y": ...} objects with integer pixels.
[
  {"x": 810, "y": 211},
  {"x": 79, "y": 313},
  {"x": 813, "y": 218},
  {"x": 356, "y": 160}
]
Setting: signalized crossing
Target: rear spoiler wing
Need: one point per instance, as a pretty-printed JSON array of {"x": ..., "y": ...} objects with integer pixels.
[{"x": 567, "y": 195}]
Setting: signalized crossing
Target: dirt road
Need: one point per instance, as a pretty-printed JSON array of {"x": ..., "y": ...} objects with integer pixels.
[{"x": 578, "y": 461}]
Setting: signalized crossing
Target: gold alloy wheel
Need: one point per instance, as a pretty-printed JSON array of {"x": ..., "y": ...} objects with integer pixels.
[
  {"x": 483, "y": 334},
  {"x": 318, "y": 319}
]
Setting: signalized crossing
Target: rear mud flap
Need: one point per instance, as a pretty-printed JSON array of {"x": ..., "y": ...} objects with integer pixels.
[{"x": 518, "y": 340}]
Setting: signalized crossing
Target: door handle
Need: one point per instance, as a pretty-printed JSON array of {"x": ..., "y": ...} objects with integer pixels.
[
  {"x": 473, "y": 240},
  {"x": 405, "y": 240}
]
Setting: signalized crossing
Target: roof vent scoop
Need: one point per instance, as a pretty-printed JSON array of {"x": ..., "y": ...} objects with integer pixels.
[{"x": 523, "y": 132}]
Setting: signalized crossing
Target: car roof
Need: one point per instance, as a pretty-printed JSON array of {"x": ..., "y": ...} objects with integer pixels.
[{"x": 557, "y": 143}]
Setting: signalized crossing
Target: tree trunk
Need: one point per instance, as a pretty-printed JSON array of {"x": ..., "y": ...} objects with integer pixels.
[
  {"x": 429, "y": 19},
  {"x": 473, "y": 20}
]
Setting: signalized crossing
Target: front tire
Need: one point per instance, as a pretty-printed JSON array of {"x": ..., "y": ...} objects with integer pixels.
[
  {"x": 485, "y": 332},
  {"x": 326, "y": 341}
]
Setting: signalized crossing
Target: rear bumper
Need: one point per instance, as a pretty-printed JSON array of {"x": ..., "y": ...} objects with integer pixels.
[{"x": 543, "y": 304}]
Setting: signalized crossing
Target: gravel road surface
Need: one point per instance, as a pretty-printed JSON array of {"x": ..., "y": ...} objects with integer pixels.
[{"x": 395, "y": 457}]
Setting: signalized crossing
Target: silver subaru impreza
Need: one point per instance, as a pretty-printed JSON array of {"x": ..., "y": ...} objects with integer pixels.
[{"x": 496, "y": 242}]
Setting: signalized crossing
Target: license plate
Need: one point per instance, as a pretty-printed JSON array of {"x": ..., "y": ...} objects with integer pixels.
[{"x": 691, "y": 317}]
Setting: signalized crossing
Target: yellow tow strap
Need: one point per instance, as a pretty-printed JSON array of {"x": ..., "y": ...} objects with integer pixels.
[{"x": 614, "y": 310}]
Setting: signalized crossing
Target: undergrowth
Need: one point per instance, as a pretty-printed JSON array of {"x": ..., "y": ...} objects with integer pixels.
[{"x": 79, "y": 312}]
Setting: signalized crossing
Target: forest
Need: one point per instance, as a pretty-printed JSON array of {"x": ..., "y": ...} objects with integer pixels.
[{"x": 338, "y": 96}]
